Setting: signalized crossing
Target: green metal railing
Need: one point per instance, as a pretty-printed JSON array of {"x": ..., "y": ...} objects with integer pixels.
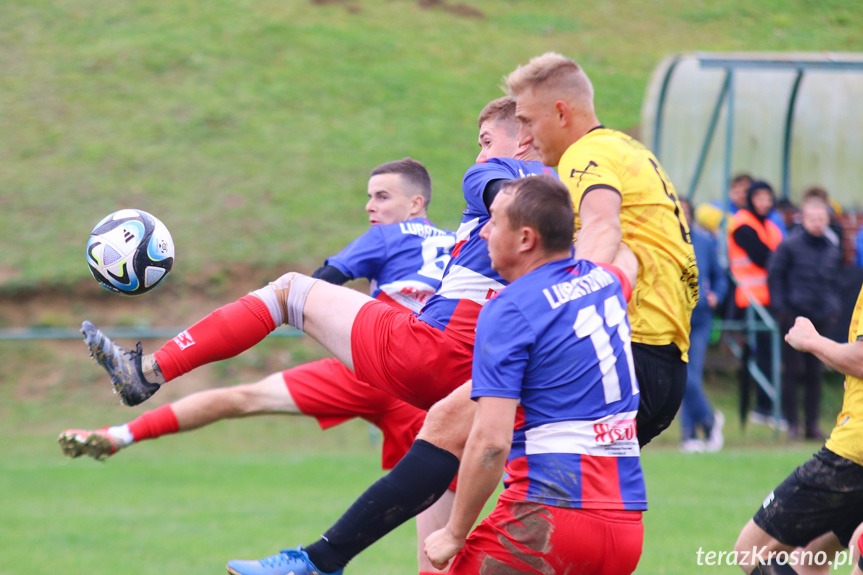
[{"x": 757, "y": 319}]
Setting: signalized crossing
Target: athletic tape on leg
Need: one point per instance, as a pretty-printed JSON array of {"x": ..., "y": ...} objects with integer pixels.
[{"x": 285, "y": 298}]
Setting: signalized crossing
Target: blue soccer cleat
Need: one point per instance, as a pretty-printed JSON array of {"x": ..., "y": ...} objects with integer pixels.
[{"x": 287, "y": 562}]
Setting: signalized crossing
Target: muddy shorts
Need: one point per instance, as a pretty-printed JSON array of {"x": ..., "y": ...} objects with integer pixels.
[
  {"x": 532, "y": 539},
  {"x": 824, "y": 494}
]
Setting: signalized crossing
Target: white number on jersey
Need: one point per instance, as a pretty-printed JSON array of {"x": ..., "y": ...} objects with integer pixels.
[
  {"x": 436, "y": 254},
  {"x": 589, "y": 324}
]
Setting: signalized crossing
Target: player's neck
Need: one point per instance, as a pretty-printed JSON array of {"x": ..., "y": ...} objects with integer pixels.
[
  {"x": 583, "y": 125},
  {"x": 528, "y": 154},
  {"x": 536, "y": 261}
]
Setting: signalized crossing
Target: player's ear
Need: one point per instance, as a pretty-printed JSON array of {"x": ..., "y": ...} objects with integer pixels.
[
  {"x": 564, "y": 113},
  {"x": 529, "y": 239},
  {"x": 522, "y": 149},
  {"x": 418, "y": 204}
]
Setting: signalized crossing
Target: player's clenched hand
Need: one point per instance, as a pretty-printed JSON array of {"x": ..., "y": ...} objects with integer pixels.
[
  {"x": 441, "y": 546},
  {"x": 801, "y": 334}
]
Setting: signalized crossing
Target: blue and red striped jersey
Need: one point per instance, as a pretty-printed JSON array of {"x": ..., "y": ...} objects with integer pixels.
[{"x": 558, "y": 340}]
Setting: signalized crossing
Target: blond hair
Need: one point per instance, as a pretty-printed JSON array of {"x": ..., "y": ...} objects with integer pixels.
[{"x": 554, "y": 73}]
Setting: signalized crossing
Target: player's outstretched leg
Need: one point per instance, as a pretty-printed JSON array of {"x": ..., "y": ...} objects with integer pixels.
[
  {"x": 419, "y": 479},
  {"x": 97, "y": 444},
  {"x": 123, "y": 366},
  {"x": 232, "y": 329},
  {"x": 287, "y": 562},
  {"x": 270, "y": 395}
]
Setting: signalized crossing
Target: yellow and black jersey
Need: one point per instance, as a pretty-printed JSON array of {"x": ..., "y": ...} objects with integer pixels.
[
  {"x": 653, "y": 226},
  {"x": 846, "y": 439}
]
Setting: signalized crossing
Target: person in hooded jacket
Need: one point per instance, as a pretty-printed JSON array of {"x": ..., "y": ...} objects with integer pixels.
[
  {"x": 803, "y": 280},
  {"x": 752, "y": 239}
]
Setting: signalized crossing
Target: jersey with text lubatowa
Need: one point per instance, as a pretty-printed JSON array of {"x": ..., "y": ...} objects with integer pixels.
[
  {"x": 404, "y": 262},
  {"x": 846, "y": 439},
  {"x": 558, "y": 340},
  {"x": 469, "y": 280},
  {"x": 653, "y": 227}
]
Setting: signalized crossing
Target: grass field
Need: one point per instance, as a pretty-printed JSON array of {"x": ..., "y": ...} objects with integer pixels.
[
  {"x": 187, "y": 505},
  {"x": 250, "y": 128},
  {"x": 244, "y": 489}
]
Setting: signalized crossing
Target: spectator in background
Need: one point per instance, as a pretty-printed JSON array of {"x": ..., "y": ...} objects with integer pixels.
[
  {"x": 696, "y": 411},
  {"x": 834, "y": 231},
  {"x": 803, "y": 280},
  {"x": 737, "y": 200},
  {"x": 752, "y": 238},
  {"x": 737, "y": 192}
]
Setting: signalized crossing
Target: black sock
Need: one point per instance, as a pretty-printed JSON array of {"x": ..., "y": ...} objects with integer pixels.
[{"x": 414, "y": 484}]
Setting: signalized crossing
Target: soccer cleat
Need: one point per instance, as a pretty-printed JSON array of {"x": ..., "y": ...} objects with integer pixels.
[
  {"x": 123, "y": 366},
  {"x": 96, "y": 444},
  {"x": 287, "y": 562}
]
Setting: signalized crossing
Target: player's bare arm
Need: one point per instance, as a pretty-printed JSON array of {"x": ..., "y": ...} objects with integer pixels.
[
  {"x": 626, "y": 261},
  {"x": 845, "y": 358},
  {"x": 482, "y": 466},
  {"x": 600, "y": 233}
]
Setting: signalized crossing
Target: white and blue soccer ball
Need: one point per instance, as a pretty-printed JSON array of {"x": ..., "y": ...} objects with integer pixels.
[{"x": 130, "y": 252}]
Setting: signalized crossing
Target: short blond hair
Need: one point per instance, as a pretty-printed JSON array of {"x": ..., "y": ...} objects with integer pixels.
[{"x": 554, "y": 73}]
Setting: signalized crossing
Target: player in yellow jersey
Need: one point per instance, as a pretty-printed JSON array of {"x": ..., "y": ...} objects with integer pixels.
[
  {"x": 620, "y": 192},
  {"x": 825, "y": 494}
]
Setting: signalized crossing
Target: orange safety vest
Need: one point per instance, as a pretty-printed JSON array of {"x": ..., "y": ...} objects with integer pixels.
[{"x": 744, "y": 271}]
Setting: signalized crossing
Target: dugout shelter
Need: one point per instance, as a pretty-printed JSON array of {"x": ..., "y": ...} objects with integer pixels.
[{"x": 793, "y": 119}]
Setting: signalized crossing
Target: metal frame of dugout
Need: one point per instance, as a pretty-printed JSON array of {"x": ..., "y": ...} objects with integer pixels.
[{"x": 756, "y": 317}]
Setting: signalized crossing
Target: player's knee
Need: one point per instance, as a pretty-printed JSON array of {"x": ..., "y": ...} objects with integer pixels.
[
  {"x": 743, "y": 542},
  {"x": 269, "y": 395},
  {"x": 234, "y": 401},
  {"x": 448, "y": 424}
]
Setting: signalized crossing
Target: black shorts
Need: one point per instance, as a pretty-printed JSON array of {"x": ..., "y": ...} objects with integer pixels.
[
  {"x": 661, "y": 374},
  {"x": 822, "y": 495}
]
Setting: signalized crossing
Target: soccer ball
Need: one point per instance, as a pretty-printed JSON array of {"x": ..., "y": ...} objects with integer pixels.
[{"x": 130, "y": 252}]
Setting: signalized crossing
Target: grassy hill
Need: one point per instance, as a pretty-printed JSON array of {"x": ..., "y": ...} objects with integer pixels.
[{"x": 249, "y": 128}]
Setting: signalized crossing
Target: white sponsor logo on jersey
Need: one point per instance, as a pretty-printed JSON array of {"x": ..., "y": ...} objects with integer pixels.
[
  {"x": 610, "y": 436},
  {"x": 184, "y": 340}
]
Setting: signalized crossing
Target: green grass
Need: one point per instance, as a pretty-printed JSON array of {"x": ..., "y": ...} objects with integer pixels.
[
  {"x": 251, "y": 124},
  {"x": 244, "y": 489},
  {"x": 188, "y": 504}
]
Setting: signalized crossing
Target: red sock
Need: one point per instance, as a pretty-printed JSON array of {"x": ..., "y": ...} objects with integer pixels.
[
  {"x": 152, "y": 424},
  {"x": 224, "y": 333}
]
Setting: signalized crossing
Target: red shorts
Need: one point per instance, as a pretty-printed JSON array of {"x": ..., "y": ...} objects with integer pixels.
[
  {"x": 331, "y": 393},
  {"x": 525, "y": 537},
  {"x": 406, "y": 357}
]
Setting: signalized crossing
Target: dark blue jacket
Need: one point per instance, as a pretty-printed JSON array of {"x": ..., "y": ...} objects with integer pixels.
[{"x": 803, "y": 277}]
